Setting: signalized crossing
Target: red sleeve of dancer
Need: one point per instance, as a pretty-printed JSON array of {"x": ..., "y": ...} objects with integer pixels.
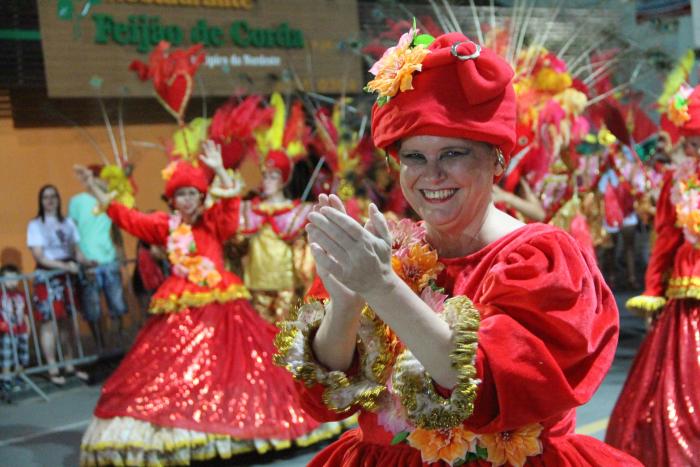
[
  {"x": 225, "y": 214},
  {"x": 668, "y": 239},
  {"x": 317, "y": 291},
  {"x": 547, "y": 337},
  {"x": 151, "y": 228}
]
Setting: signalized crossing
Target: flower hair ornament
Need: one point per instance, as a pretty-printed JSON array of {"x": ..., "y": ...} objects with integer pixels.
[
  {"x": 393, "y": 72},
  {"x": 677, "y": 106}
]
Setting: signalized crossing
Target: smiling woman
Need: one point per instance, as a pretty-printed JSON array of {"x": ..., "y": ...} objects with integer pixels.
[{"x": 468, "y": 338}]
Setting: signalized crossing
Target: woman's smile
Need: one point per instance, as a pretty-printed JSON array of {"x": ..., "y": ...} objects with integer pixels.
[{"x": 438, "y": 196}]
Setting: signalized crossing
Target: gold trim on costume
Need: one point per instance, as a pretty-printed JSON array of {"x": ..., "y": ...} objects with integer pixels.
[
  {"x": 128, "y": 441},
  {"x": 645, "y": 305},
  {"x": 413, "y": 385},
  {"x": 424, "y": 406},
  {"x": 684, "y": 287},
  {"x": 175, "y": 303},
  {"x": 342, "y": 392}
]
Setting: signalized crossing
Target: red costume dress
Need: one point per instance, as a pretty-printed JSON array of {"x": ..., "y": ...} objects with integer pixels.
[
  {"x": 657, "y": 417},
  {"x": 547, "y": 336},
  {"x": 198, "y": 382}
]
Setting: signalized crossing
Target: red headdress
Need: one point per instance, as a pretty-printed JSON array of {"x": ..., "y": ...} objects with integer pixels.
[
  {"x": 181, "y": 174},
  {"x": 233, "y": 126},
  {"x": 452, "y": 87},
  {"x": 287, "y": 137}
]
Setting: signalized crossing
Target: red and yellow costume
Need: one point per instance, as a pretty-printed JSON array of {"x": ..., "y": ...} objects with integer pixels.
[
  {"x": 534, "y": 326},
  {"x": 277, "y": 266},
  {"x": 656, "y": 418},
  {"x": 198, "y": 382}
]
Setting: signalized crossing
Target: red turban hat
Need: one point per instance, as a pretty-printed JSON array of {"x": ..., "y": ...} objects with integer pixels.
[
  {"x": 279, "y": 160},
  {"x": 185, "y": 174},
  {"x": 460, "y": 90}
]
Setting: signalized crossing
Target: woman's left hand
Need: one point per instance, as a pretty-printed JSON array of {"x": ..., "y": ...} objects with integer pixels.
[
  {"x": 212, "y": 156},
  {"x": 359, "y": 257}
]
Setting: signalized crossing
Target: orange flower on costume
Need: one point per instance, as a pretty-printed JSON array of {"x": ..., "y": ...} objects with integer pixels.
[
  {"x": 213, "y": 278},
  {"x": 181, "y": 253},
  {"x": 513, "y": 447},
  {"x": 447, "y": 445},
  {"x": 418, "y": 266}
]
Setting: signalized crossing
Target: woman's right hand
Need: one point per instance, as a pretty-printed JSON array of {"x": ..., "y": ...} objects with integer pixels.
[
  {"x": 71, "y": 267},
  {"x": 341, "y": 296},
  {"x": 88, "y": 180}
]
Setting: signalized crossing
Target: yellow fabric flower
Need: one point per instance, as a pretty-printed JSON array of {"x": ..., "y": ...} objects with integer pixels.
[
  {"x": 168, "y": 171},
  {"x": 418, "y": 266},
  {"x": 551, "y": 80},
  {"x": 447, "y": 445},
  {"x": 513, "y": 447},
  {"x": 396, "y": 68}
]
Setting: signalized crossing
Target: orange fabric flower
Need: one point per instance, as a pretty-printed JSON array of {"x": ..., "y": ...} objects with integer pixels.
[
  {"x": 418, "y": 266},
  {"x": 447, "y": 445},
  {"x": 213, "y": 278},
  {"x": 396, "y": 69},
  {"x": 513, "y": 447},
  {"x": 678, "y": 114}
]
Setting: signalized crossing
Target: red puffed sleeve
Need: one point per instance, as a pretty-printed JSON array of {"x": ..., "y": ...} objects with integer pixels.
[
  {"x": 317, "y": 291},
  {"x": 548, "y": 333},
  {"x": 668, "y": 239},
  {"x": 151, "y": 228},
  {"x": 225, "y": 216}
]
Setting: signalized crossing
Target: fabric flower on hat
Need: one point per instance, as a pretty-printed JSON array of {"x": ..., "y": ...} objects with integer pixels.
[
  {"x": 677, "y": 107},
  {"x": 394, "y": 71}
]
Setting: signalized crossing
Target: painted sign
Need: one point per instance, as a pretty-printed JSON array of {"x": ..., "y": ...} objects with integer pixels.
[{"x": 255, "y": 45}]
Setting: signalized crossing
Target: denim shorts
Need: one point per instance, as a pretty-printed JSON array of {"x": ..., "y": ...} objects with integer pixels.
[{"x": 106, "y": 278}]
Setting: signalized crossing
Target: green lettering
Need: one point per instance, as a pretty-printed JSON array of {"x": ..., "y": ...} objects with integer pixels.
[
  {"x": 216, "y": 36},
  {"x": 155, "y": 30},
  {"x": 121, "y": 34},
  {"x": 257, "y": 38},
  {"x": 198, "y": 34},
  {"x": 103, "y": 27},
  {"x": 296, "y": 39},
  {"x": 282, "y": 36},
  {"x": 174, "y": 35},
  {"x": 239, "y": 33}
]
